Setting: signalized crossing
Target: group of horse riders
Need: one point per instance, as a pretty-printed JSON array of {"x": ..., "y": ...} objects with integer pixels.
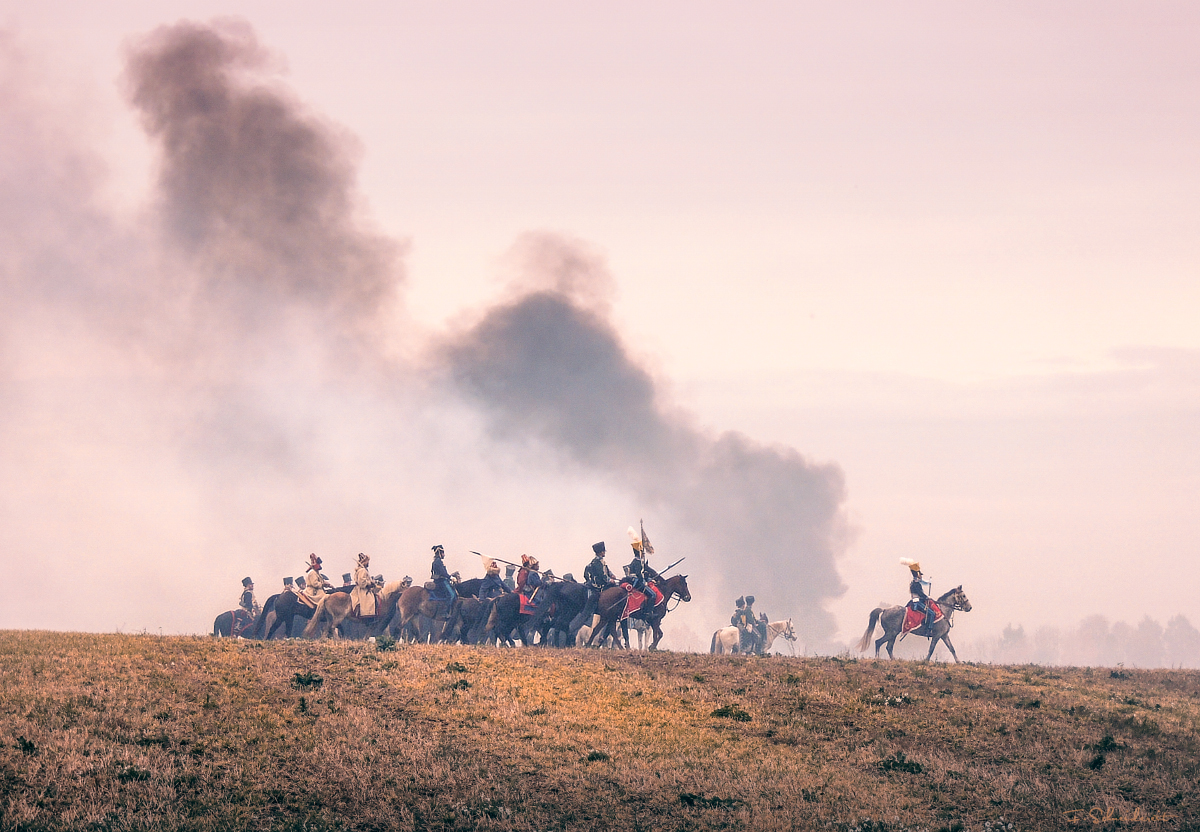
[
  {"x": 530, "y": 581},
  {"x": 752, "y": 630}
]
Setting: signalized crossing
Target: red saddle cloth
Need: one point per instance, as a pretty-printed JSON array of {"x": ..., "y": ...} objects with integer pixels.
[
  {"x": 914, "y": 618},
  {"x": 527, "y": 608},
  {"x": 241, "y": 622},
  {"x": 635, "y": 600}
]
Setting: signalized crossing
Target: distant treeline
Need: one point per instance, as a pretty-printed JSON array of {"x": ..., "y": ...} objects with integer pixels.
[{"x": 1094, "y": 642}]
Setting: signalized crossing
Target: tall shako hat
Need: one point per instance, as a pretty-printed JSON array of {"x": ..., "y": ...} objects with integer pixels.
[
  {"x": 301, "y": 582},
  {"x": 438, "y": 551},
  {"x": 749, "y": 600},
  {"x": 247, "y": 582},
  {"x": 740, "y": 602},
  {"x": 598, "y": 548},
  {"x": 287, "y": 581},
  {"x": 346, "y": 577}
]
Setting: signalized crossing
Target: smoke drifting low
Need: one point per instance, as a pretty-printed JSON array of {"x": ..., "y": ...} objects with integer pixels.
[
  {"x": 550, "y": 366},
  {"x": 214, "y": 391}
]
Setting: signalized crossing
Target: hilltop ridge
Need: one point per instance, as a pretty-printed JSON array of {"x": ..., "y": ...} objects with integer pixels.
[{"x": 195, "y": 733}]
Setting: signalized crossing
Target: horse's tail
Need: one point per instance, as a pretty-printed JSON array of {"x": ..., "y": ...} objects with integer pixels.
[
  {"x": 866, "y": 639},
  {"x": 217, "y": 625},
  {"x": 318, "y": 614},
  {"x": 713, "y": 647}
]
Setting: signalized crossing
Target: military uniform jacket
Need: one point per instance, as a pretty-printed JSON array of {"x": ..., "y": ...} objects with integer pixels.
[
  {"x": 742, "y": 620},
  {"x": 598, "y": 574},
  {"x": 917, "y": 590},
  {"x": 248, "y": 603},
  {"x": 492, "y": 587}
]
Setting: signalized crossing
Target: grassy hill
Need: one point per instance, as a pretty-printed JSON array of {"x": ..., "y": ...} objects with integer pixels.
[{"x": 141, "y": 732}]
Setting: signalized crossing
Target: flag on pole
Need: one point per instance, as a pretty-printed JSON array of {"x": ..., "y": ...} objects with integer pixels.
[{"x": 646, "y": 547}]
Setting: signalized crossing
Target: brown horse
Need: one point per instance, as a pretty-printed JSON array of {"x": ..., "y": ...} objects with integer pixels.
[
  {"x": 612, "y": 604},
  {"x": 335, "y": 607},
  {"x": 416, "y": 601},
  {"x": 892, "y": 621}
]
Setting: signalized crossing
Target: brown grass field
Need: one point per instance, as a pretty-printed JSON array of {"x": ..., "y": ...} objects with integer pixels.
[{"x": 111, "y": 732}]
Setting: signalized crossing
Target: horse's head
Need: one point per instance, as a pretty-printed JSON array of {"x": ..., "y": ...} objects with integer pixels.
[
  {"x": 960, "y": 599},
  {"x": 678, "y": 585},
  {"x": 789, "y": 633}
]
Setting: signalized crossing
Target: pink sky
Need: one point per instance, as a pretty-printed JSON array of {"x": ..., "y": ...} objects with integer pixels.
[{"x": 951, "y": 248}]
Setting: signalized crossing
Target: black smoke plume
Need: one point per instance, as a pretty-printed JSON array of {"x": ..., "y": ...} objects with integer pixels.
[{"x": 548, "y": 365}]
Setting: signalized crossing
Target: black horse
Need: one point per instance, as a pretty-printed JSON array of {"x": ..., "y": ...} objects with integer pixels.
[
  {"x": 287, "y": 606},
  {"x": 233, "y": 623}
]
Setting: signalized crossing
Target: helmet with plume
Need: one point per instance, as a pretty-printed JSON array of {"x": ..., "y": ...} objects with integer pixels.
[
  {"x": 635, "y": 539},
  {"x": 911, "y": 564}
]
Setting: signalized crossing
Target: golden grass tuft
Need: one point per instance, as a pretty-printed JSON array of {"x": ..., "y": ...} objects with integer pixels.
[{"x": 139, "y": 732}]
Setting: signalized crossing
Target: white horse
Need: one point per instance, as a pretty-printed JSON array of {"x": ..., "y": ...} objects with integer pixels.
[{"x": 727, "y": 640}]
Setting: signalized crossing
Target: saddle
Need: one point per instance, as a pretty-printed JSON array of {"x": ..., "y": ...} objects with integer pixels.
[
  {"x": 242, "y": 621},
  {"x": 635, "y": 600},
  {"x": 915, "y": 618},
  {"x": 357, "y": 611}
]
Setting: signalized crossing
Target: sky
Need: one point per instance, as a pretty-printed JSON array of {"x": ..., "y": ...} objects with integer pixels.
[{"x": 807, "y": 289}]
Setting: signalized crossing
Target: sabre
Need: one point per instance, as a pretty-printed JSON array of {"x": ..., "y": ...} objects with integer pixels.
[{"x": 672, "y": 566}]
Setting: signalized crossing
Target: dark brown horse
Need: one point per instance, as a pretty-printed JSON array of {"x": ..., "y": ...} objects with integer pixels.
[
  {"x": 612, "y": 604},
  {"x": 287, "y": 607},
  {"x": 233, "y": 623},
  {"x": 892, "y": 621}
]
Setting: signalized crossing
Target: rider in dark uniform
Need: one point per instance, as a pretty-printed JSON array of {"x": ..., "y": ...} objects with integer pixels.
[
  {"x": 916, "y": 588},
  {"x": 492, "y": 586},
  {"x": 247, "y": 601},
  {"x": 640, "y": 574},
  {"x": 745, "y": 626},
  {"x": 760, "y": 628},
  {"x": 596, "y": 574},
  {"x": 440, "y": 576}
]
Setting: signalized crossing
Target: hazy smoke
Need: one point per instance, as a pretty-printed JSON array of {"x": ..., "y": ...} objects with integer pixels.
[
  {"x": 549, "y": 365},
  {"x": 211, "y": 392}
]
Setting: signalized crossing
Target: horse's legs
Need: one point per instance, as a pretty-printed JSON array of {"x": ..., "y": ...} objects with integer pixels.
[{"x": 882, "y": 640}]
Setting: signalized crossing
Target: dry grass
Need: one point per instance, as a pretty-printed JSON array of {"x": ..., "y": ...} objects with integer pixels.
[{"x": 139, "y": 732}]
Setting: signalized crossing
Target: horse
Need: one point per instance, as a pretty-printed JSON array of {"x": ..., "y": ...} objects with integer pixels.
[
  {"x": 568, "y": 606},
  {"x": 728, "y": 639},
  {"x": 416, "y": 601},
  {"x": 287, "y": 606},
  {"x": 232, "y": 623},
  {"x": 612, "y": 603},
  {"x": 892, "y": 621},
  {"x": 333, "y": 611}
]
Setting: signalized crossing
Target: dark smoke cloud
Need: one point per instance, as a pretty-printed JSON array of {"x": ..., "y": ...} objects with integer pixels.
[
  {"x": 549, "y": 366},
  {"x": 256, "y": 191}
]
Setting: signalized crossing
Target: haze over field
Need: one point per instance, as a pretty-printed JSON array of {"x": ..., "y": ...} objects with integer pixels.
[{"x": 807, "y": 291}]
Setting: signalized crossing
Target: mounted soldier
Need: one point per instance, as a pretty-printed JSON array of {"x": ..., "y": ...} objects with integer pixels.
[
  {"x": 443, "y": 589},
  {"x": 288, "y": 585},
  {"x": 640, "y": 574},
  {"x": 365, "y": 594},
  {"x": 314, "y": 582},
  {"x": 919, "y": 589},
  {"x": 757, "y": 625},
  {"x": 509, "y": 581},
  {"x": 596, "y": 574},
  {"x": 529, "y": 580},
  {"x": 492, "y": 587},
  {"x": 744, "y": 621},
  {"x": 247, "y": 601}
]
